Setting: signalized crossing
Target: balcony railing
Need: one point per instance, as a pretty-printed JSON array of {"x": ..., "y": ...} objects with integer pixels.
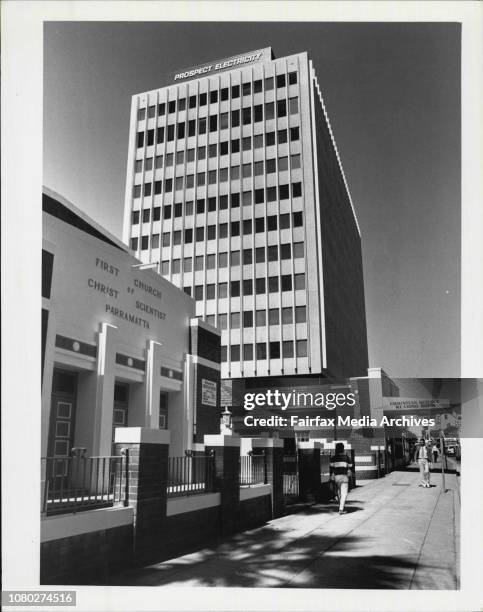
[
  {"x": 191, "y": 475},
  {"x": 80, "y": 483},
  {"x": 253, "y": 470}
]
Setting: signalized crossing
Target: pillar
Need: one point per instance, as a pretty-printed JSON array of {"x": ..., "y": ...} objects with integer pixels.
[
  {"x": 274, "y": 453},
  {"x": 309, "y": 470}
]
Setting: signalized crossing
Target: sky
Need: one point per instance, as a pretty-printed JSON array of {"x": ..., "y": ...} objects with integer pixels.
[{"x": 392, "y": 93}]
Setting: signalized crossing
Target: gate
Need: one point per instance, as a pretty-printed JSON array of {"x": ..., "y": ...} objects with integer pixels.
[{"x": 290, "y": 478}]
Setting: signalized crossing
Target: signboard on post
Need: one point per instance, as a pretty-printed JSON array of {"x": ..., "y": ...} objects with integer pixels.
[{"x": 208, "y": 392}]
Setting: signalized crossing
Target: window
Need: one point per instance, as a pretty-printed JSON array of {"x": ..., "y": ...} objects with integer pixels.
[
  {"x": 222, "y": 290},
  {"x": 223, "y": 175},
  {"x": 141, "y": 114},
  {"x": 248, "y": 352},
  {"x": 201, "y": 153},
  {"x": 235, "y": 352},
  {"x": 187, "y": 264},
  {"x": 170, "y": 133},
  {"x": 292, "y": 78},
  {"x": 246, "y": 170},
  {"x": 176, "y": 266},
  {"x": 247, "y": 89},
  {"x": 247, "y": 256},
  {"x": 258, "y": 113},
  {"x": 271, "y": 194},
  {"x": 285, "y": 251},
  {"x": 247, "y": 143},
  {"x": 138, "y": 165},
  {"x": 299, "y": 281},
  {"x": 273, "y": 284},
  {"x": 269, "y": 111},
  {"x": 157, "y": 187},
  {"x": 172, "y": 107},
  {"x": 223, "y": 352},
  {"x": 294, "y": 134},
  {"x": 295, "y": 161},
  {"x": 296, "y": 190},
  {"x": 248, "y": 286},
  {"x": 235, "y": 146},
  {"x": 283, "y": 163},
  {"x": 202, "y": 99},
  {"x": 202, "y": 125},
  {"x": 212, "y": 177},
  {"x": 191, "y": 127},
  {"x": 234, "y": 200},
  {"x": 213, "y": 123},
  {"x": 162, "y": 109},
  {"x": 166, "y": 239},
  {"x": 261, "y": 350},
  {"x": 177, "y": 237},
  {"x": 158, "y": 162},
  {"x": 200, "y": 234},
  {"x": 268, "y": 83},
  {"x": 235, "y": 118},
  {"x": 260, "y": 254},
  {"x": 134, "y": 244},
  {"x": 281, "y": 108},
  {"x": 180, "y": 157},
  {"x": 223, "y": 233},
  {"x": 283, "y": 192},
  {"x": 224, "y": 148},
  {"x": 293, "y": 105},
  {"x": 167, "y": 211},
  {"x": 258, "y": 86},
  {"x": 300, "y": 314},
  {"x": 200, "y": 179},
  {"x": 178, "y": 210},
  {"x": 274, "y": 350},
  {"x": 212, "y": 150},
  {"x": 190, "y": 181},
  {"x": 169, "y": 159},
  {"x": 259, "y": 196},
  {"x": 182, "y": 104},
  {"x": 188, "y": 209},
  {"x": 287, "y": 347},
  {"x": 168, "y": 185},
  {"x": 224, "y": 94},
  {"x": 287, "y": 282},
  {"x": 144, "y": 243},
  {"x": 146, "y": 215},
  {"x": 260, "y": 286},
  {"x": 247, "y": 226},
  {"x": 211, "y": 204},
  {"x": 222, "y": 260},
  {"x": 272, "y": 253},
  {"x": 223, "y": 324},
  {"x": 248, "y": 318},
  {"x": 210, "y": 319},
  {"x": 179, "y": 183},
  {"x": 190, "y": 156},
  {"x": 235, "y": 228},
  {"x": 270, "y": 138},
  {"x": 165, "y": 268},
  {"x": 273, "y": 316},
  {"x": 301, "y": 348},
  {"x": 213, "y": 97},
  {"x": 258, "y": 141},
  {"x": 235, "y": 258},
  {"x": 235, "y": 173},
  {"x": 198, "y": 292},
  {"x": 210, "y": 292},
  {"x": 258, "y": 168},
  {"x": 188, "y": 235},
  {"x": 260, "y": 318},
  {"x": 211, "y": 232},
  {"x": 259, "y": 224},
  {"x": 235, "y": 91},
  {"x": 235, "y": 320},
  {"x": 298, "y": 219},
  {"x": 147, "y": 189},
  {"x": 247, "y": 116},
  {"x": 140, "y": 140},
  {"x": 247, "y": 198},
  {"x": 235, "y": 288},
  {"x": 223, "y": 202},
  {"x": 272, "y": 223},
  {"x": 135, "y": 217},
  {"x": 280, "y": 80},
  {"x": 157, "y": 213},
  {"x": 271, "y": 165},
  {"x": 287, "y": 316}
]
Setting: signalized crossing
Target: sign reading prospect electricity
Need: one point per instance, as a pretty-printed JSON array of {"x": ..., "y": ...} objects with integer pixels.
[
  {"x": 225, "y": 64},
  {"x": 208, "y": 392}
]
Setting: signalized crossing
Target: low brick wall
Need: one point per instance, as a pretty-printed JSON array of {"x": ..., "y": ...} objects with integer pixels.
[{"x": 255, "y": 507}]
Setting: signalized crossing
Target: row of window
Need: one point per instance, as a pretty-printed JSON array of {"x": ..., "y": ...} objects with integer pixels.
[
  {"x": 276, "y": 350},
  {"x": 209, "y": 262},
  {"x": 224, "y": 94},
  {"x": 259, "y": 286},
  {"x": 198, "y": 234},
  {"x": 223, "y": 148},
  {"x": 248, "y": 320},
  {"x": 244, "y": 116},
  {"x": 222, "y": 175}
]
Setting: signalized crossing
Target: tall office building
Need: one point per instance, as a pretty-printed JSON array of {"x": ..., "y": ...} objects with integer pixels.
[{"x": 235, "y": 186}]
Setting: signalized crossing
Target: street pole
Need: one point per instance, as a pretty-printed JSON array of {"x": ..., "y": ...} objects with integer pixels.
[{"x": 441, "y": 444}]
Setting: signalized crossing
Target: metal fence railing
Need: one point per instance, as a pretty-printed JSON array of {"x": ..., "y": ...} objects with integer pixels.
[
  {"x": 191, "y": 474},
  {"x": 253, "y": 470},
  {"x": 324, "y": 466},
  {"x": 290, "y": 476},
  {"x": 80, "y": 483}
]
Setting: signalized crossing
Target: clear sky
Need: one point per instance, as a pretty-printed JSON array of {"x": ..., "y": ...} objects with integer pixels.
[{"x": 392, "y": 92}]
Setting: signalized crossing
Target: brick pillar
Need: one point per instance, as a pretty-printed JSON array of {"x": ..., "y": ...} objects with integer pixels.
[
  {"x": 227, "y": 470},
  {"x": 147, "y": 451},
  {"x": 274, "y": 453},
  {"x": 309, "y": 470}
]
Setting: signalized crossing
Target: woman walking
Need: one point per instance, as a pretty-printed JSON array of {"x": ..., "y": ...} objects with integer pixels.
[{"x": 340, "y": 472}]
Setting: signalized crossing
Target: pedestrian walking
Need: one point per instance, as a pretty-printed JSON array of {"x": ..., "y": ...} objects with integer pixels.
[
  {"x": 423, "y": 456},
  {"x": 435, "y": 453},
  {"x": 340, "y": 472}
]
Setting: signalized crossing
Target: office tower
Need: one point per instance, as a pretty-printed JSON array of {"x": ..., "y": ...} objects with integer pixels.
[{"x": 235, "y": 186}]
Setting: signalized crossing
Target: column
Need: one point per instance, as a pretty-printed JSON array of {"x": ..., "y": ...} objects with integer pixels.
[
  {"x": 309, "y": 470},
  {"x": 274, "y": 453}
]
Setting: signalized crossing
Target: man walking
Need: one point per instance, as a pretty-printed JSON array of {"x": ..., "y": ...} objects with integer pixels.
[
  {"x": 340, "y": 471},
  {"x": 423, "y": 456}
]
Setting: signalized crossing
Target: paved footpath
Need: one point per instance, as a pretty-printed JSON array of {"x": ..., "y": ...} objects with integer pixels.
[{"x": 395, "y": 535}]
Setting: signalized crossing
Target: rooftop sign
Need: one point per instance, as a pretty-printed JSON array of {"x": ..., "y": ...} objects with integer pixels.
[{"x": 225, "y": 64}]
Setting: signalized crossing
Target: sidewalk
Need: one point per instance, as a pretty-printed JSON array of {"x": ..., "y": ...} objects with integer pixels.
[{"x": 395, "y": 535}]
